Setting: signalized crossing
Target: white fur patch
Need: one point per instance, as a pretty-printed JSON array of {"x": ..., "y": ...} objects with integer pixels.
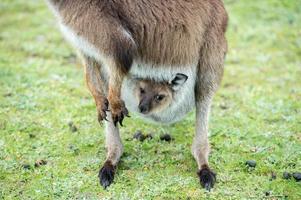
[
  {"x": 81, "y": 43},
  {"x": 76, "y": 40},
  {"x": 184, "y": 99}
]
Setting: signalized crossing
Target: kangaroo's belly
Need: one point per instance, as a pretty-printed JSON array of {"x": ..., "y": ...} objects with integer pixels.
[{"x": 183, "y": 100}]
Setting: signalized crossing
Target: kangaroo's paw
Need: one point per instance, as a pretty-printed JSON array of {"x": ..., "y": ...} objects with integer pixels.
[
  {"x": 207, "y": 178},
  {"x": 106, "y": 174},
  {"x": 118, "y": 111},
  {"x": 102, "y": 108}
]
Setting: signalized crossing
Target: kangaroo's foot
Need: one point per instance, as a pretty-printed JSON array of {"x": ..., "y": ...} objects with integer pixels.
[
  {"x": 207, "y": 177},
  {"x": 106, "y": 174}
]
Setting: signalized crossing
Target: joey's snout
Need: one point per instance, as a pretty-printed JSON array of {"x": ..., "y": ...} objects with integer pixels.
[{"x": 144, "y": 106}]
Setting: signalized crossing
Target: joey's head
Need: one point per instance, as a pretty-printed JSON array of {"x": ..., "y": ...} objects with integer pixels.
[{"x": 156, "y": 96}]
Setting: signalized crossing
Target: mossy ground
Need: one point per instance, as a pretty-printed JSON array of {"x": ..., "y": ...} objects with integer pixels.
[{"x": 256, "y": 115}]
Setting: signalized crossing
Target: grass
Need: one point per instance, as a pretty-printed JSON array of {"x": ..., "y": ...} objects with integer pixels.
[{"x": 256, "y": 115}]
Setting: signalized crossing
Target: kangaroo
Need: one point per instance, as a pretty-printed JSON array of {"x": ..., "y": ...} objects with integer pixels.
[{"x": 157, "y": 58}]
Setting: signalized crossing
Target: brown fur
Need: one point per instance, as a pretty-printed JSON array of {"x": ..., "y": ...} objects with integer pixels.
[
  {"x": 159, "y": 32},
  {"x": 164, "y": 32},
  {"x": 95, "y": 84}
]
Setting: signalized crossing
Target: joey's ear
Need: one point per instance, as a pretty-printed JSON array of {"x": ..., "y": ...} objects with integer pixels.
[{"x": 178, "y": 81}]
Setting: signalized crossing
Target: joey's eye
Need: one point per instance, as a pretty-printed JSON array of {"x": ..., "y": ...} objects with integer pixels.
[
  {"x": 159, "y": 97},
  {"x": 142, "y": 91}
]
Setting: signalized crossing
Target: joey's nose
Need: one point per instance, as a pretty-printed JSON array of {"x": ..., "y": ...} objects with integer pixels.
[{"x": 144, "y": 108}]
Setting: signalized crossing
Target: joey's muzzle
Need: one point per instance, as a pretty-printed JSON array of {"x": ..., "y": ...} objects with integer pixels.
[{"x": 144, "y": 106}]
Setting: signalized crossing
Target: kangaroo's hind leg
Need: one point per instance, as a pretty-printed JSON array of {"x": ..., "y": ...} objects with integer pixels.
[
  {"x": 114, "y": 151},
  {"x": 210, "y": 72}
]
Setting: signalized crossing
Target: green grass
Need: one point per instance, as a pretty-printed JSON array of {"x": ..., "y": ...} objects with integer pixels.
[{"x": 256, "y": 115}]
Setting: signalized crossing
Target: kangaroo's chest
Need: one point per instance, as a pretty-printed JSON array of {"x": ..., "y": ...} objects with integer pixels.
[{"x": 183, "y": 101}]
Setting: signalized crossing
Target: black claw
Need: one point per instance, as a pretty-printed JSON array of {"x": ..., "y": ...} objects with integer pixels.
[
  {"x": 99, "y": 119},
  {"x": 102, "y": 116},
  {"x": 115, "y": 122},
  {"x": 120, "y": 119},
  {"x": 119, "y": 116},
  {"x": 207, "y": 178},
  {"x": 120, "y": 122},
  {"x": 106, "y": 174}
]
